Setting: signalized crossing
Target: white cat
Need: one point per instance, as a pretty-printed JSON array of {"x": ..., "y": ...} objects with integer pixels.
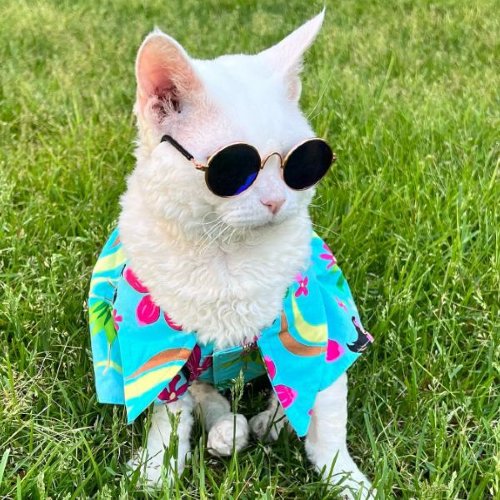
[{"x": 221, "y": 266}]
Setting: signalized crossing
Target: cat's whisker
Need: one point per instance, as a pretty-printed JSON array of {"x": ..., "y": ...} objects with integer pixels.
[
  {"x": 232, "y": 232},
  {"x": 208, "y": 238},
  {"x": 205, "y": 222},
  {"x": 212, "y": 234},
  {"x": 213, "y": 224},
  {"x": 230, "y": 237}
]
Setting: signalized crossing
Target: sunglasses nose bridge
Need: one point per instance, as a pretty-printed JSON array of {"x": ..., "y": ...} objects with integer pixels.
[
  {"x": 270, "y": 187},
  {"x": 269, "y": 156}
]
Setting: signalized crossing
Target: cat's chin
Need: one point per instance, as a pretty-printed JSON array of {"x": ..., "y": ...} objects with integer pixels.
[
  {"x": 254, "y": 227},
  {"x": 246, "y": 224},
  {"x": 238, "y": 232}
]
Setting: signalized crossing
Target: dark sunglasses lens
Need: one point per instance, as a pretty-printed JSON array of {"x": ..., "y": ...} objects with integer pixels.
[
  {"x": 307, "y": 164},
  {"x": 233, "y": 170}
]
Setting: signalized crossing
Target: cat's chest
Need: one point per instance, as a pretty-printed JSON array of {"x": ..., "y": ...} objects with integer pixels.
[{"x": 226, "y": 299}]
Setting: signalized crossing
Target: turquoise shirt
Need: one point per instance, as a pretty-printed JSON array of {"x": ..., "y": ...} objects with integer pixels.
[{"x": 141, "y": 356}]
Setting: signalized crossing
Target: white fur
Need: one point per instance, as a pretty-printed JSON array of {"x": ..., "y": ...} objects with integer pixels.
[
  {"x": 151, "y": 459},
  {"x": 267, "y": 424},
  {"x": 326, "y": 441},
  {"x": 221, "y": 267},
  {"x": 227, "y": 432}
]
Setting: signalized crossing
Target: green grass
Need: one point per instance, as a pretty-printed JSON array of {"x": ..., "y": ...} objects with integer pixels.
[{"x": 407, "y": 92}]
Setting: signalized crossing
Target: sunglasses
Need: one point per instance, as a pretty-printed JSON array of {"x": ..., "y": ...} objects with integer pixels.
[{"x": 234, "y": 168}]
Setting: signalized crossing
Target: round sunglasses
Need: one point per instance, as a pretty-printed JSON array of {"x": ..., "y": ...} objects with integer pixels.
[{"x": 233, "y": 169}]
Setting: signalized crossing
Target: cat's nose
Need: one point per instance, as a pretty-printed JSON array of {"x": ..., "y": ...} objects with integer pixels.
[{"x": 273, "y": 205}]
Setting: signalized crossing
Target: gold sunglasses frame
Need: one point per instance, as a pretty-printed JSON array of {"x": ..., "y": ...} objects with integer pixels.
[{"x": 203, "y": 167}]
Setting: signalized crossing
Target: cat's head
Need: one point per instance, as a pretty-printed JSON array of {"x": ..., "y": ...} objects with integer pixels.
[{"x": 207, "y": 104}]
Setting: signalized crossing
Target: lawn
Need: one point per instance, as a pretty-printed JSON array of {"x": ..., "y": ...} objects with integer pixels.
[{"x": 407, "y": 93}]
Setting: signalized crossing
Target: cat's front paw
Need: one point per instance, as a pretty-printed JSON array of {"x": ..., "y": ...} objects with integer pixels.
[
  {"x": 342, "y": 472},
  {"x": 150, "y": 468},
  {"x": 263, "y": 427},
  {"x": 352, "y": 490},
  {"x": 354, "y": 485},
  {"x": 228, "y": 433},
  {"x": 152, "y": 471}
]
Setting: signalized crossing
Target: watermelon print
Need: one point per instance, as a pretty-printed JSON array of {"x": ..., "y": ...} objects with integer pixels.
[
  {"x": 147, "y": 311},
  {"x": 134, "y": 281},
  {"x": 333, "y": 351},
  {"x": 286, "y": 395},
  {"x": 171, "y": 323},
  {"x": 270, "y": 366}
]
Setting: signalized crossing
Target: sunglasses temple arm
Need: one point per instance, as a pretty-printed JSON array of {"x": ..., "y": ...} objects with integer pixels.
[{"x": 176, "y": 145}]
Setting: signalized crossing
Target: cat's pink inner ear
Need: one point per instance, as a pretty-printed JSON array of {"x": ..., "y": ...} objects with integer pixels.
[{"x": 164, "y": 71}]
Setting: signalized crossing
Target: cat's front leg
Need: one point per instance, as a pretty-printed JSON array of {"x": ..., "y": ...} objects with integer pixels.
[
  {"x": 167, "y": 418},
  {"x": 227, "y": 431},
  {"x": 326, "y": 442}
]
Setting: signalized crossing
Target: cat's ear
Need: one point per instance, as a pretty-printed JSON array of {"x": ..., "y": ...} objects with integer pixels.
[
  {"x": 165, "y": 76},
  {"x": 285, "y": 58}
]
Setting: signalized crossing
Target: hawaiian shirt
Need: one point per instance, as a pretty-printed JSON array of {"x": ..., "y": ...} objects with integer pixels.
[{"x": 142, "y": 356}]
